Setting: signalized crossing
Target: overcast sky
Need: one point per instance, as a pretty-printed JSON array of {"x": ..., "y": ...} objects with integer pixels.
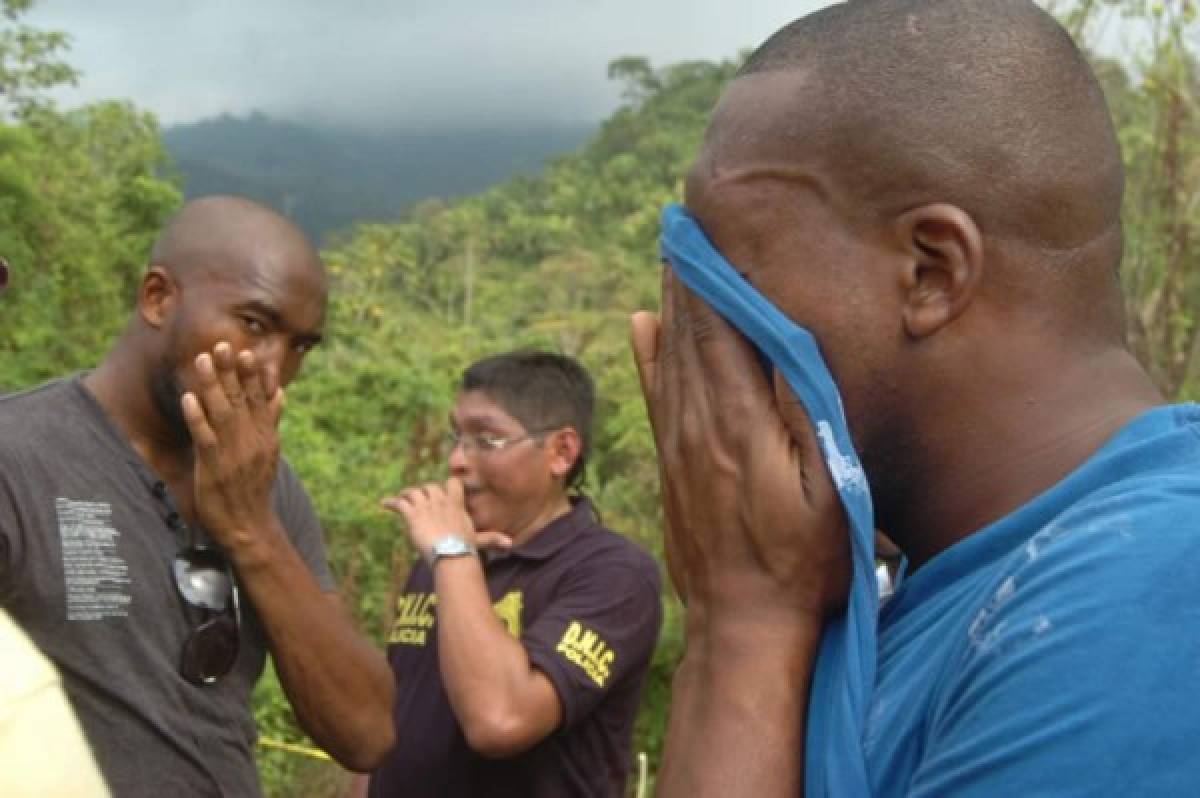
[{"x": 412, "y": 63}]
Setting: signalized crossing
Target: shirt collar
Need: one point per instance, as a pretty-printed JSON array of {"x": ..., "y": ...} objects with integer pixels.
[{"x": 558, "y": 533}]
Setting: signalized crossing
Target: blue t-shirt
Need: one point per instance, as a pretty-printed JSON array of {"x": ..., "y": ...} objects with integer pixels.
[{"x": 1057, "y": 651}]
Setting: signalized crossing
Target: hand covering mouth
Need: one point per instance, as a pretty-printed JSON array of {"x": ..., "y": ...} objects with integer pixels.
[{"x": 845, "y": 669}]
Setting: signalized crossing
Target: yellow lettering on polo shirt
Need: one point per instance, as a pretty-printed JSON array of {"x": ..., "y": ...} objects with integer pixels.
[
  {"x": 414, "y": 619},
  {"x": 585, "y": 648},
  {"x": 411, "y": 637},
  {"x": 508, "y": 610}
]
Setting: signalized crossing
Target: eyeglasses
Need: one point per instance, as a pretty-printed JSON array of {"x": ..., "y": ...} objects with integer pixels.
[
  {"x": 205, "y": 581},
  {"x": 486, "y": 443}
]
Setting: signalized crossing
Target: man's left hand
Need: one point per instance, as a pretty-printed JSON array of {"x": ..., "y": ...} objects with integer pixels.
[{"x": 233, "y": 417}]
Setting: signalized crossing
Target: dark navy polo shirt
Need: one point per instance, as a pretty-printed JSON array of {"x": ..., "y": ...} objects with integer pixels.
[{"x": 586, "y": 605}]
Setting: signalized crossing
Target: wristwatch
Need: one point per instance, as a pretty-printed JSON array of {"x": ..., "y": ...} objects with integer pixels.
[{"x": 449, "y": 546}]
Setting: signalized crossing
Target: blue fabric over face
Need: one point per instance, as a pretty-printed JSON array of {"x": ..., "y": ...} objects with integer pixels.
[{"x": 845, "y": 668}]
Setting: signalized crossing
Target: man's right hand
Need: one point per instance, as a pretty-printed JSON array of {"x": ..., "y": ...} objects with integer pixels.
[
  {"x": 757, "y": 547},
  {"x": 233, "y": 416},
  {"x": 754, "y": 526},
  {"x": 435, "y": 510}
]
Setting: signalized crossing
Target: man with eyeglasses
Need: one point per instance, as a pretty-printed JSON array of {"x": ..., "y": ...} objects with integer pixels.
[
  {"x": 522, "y": 639},
  {"x": 154, "y": 545}
]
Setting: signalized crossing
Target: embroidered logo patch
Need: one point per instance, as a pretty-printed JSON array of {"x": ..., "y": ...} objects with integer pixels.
[
  {"x": 415, "y": 616},
  {"x": 414, "y": 619},
  {"x": 585, "y": 648},
  {"x": 508, "y": 610}
]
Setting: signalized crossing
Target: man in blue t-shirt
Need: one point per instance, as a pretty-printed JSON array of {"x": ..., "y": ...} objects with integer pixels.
[{"x": 933, "y": 189}]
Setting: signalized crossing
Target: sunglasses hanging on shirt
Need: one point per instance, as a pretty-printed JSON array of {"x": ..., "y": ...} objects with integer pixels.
[{"x": 205, "y": 580}]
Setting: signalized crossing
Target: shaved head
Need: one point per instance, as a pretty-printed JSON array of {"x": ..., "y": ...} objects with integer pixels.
[
  {"x": 933, "y": 188},
  {"x": 222, "y": 235},
  {"x": 987, "y": 104}
]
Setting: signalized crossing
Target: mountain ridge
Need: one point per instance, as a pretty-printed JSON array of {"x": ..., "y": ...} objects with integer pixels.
[{"x": 328, "y": 179}]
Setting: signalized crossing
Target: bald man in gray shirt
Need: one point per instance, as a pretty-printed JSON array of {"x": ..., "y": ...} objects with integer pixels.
[{"x": 156, "y": 546}]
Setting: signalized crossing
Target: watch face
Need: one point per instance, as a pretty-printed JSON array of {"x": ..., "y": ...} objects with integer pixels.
[{"x": 452, "y": 546}]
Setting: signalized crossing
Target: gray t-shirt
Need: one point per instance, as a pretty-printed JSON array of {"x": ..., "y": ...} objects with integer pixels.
[{"x": 86, "y": 547}]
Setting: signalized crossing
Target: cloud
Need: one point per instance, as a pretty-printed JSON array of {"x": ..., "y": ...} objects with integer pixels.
[{"x": 408, "y": 63}]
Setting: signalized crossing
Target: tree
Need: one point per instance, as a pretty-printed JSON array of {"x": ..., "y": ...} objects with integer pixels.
[
  {"x": 82, "y": 195},
  {"x": 556, "y": 260},
  {"x": 30, "y": 62}
]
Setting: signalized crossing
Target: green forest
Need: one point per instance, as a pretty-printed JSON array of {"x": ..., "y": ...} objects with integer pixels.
[{"x": 556, "y": 260}]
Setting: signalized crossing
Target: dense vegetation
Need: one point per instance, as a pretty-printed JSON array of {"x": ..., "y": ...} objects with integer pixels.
[{"x": 554, "y": 260}]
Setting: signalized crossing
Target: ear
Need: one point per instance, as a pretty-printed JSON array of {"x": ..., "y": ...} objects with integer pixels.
[
  {"x": 564, "y": 448},
  {"x": 944, "y": 269},
  {"x": 158, "y": 296}
]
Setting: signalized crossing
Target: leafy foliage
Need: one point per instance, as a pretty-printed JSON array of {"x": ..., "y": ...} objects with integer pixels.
[
  {"x": 555, "y": 260},
  {"x": 29, "y": 62},
  {"x": 82, "y": 195}
]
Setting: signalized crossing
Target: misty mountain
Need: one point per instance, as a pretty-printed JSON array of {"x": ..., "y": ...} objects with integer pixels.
[{"x": 327, "y": 179}]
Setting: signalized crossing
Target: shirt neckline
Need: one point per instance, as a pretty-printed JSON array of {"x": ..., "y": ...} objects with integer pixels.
[
  {"x": 1000, "y": 537},
  {"x": 145, "y": 473},
  {"x": 557, "y": 534}
]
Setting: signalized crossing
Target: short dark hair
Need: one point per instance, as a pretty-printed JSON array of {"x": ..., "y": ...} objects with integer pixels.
[{"x": 542, "y": 390}]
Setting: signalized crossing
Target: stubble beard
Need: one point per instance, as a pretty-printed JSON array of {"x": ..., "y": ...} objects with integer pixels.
[{"x": 166, "y": 391}]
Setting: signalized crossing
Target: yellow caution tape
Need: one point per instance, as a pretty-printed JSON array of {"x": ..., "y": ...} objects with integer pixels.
[{"x": 292, "y": 748}]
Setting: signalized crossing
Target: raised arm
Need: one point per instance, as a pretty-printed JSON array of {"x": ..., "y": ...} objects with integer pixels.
[
  {"x": 339, "y": 685},
  {"x": 756, "y": 547},
  {"x": 504, "y": 704}
]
